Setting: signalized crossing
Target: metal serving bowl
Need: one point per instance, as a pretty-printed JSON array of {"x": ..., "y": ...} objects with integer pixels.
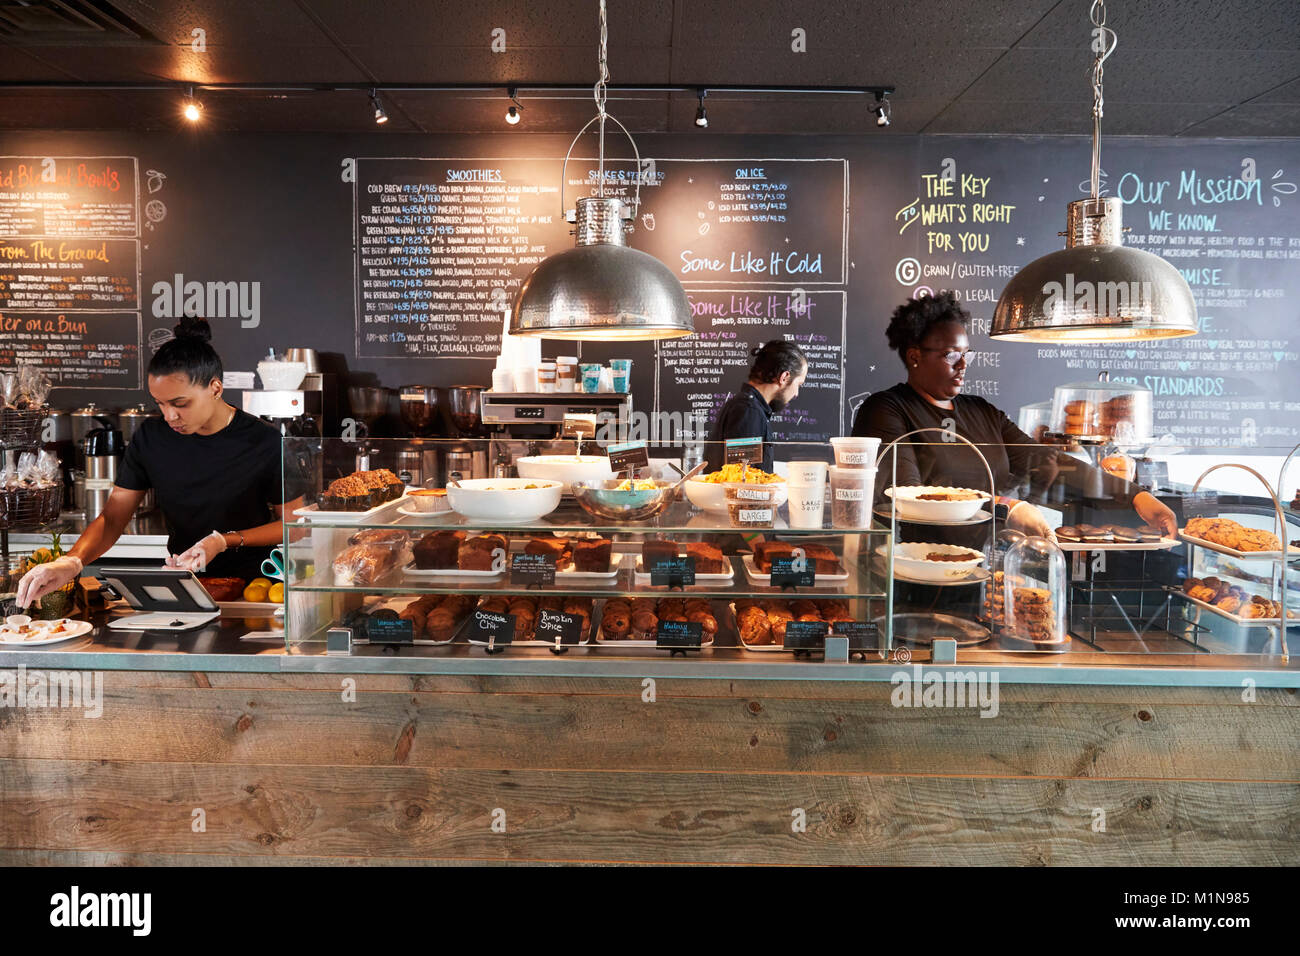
[{"x": 603, "y": 499}]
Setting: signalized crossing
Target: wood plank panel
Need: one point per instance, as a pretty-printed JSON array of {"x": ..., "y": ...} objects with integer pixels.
[
  {"x": 518, "y": 731},
  {"x": 106, "y": 806}
]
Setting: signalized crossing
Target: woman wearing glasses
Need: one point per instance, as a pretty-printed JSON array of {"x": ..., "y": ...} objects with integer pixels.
[{"x": 930, "y": 336}]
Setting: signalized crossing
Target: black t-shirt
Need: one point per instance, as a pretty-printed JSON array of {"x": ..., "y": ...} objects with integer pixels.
[
  {"x": 1022, "y": 468},
  {"x": 227, "y": 481},
  {"x": 745, "y": 415}
]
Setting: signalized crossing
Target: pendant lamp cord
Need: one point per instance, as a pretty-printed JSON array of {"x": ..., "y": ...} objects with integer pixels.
[
  {"x": 1103, "y": 45},
  {"x": 601, "y": 83}
]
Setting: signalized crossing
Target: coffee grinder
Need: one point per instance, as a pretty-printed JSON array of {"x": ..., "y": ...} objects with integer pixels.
[
  {"x": 465, "y": 404},
  {"x": 417, "y": 463}
]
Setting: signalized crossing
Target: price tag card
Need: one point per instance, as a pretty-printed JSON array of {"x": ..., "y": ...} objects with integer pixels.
[
  {"x": 793, "y": 572},
  {"x": 1152, "y": 474},
  {"x": 555, "y": 624},
  {"x": 1204, "y": 504},
  {"x": 490, "y": 626},
  {"x": 740, "y": 450},
  {"x": 632, "y": 454},
  {"x": 678, "y": 572},
  {"x": 528, "y": 570},
  {"x": 679, "y": 634},
  {"x": 859, "y": 633},
  {"x": 805, "y": 635},
  {"x": 384, "y": 630}
]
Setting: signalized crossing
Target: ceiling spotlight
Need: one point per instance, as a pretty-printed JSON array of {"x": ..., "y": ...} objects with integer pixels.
[
  {"x": 380, "y": 116},
  {"x": 512, "y": 114},
  {"x": 882, "y": 111},
  {"x": 702, "y": 117},
  {"x": 191, "y": 108}
]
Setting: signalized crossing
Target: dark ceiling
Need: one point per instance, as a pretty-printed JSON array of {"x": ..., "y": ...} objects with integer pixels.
[{"x": 1182, "y": 67}]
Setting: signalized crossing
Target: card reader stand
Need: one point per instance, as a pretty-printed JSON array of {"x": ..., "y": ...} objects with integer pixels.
[{"x": 165, "y": 599}]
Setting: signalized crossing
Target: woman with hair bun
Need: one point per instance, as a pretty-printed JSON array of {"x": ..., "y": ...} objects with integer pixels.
[
  {"x": 930, "y": 336},
  {"x": 214, "y": 469}
]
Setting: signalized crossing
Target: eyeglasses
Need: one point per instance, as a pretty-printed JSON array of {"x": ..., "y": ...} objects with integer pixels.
[{"x": 953, "y": 357}]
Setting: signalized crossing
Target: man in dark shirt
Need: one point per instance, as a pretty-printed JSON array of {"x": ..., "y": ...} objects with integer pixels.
[{"x": 779, "y": 369}]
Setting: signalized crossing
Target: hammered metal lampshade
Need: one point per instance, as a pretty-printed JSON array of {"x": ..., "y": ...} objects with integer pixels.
[
  {"x": 601, "y": 289},
  {"x": 1095, "y": 290}
]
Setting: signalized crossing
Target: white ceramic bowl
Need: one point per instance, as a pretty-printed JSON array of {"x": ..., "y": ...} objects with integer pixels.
[
  {"x": 909, "y": 558},
  {"x": 281, "y": 376},
  {"x": 711, "y": 496},
  {"x": 566, "y": 469},
  {"x": 910, "y": 507},
  {"x": 506, "y": 500}
]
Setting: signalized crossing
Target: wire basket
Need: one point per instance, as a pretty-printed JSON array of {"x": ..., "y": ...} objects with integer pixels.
[
  {"x": 26, "y": 507},
  {"x": 21, "y": 427}
]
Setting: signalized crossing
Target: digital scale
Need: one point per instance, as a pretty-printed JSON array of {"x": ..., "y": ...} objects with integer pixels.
[{"x": 165, "y": 599}]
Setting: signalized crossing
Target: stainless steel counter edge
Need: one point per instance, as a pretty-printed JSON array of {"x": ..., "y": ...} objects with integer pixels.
[{"x": 656, "y": 667}]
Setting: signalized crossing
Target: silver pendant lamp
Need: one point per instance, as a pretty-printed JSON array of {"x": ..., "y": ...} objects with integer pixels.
[
  {"x": 1095, "y": 290},
  {"x": 602, "y": 289}
]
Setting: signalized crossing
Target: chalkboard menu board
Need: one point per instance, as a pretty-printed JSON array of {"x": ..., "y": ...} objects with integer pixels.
[
  {"x": 70, "y": 268},
  {"x": 397, "y": 257}
]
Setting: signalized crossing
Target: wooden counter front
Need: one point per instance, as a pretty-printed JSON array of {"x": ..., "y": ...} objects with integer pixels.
[{"x": 416, "y": 769}]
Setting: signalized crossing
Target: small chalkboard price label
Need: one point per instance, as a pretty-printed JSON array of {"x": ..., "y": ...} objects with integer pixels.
[
  {"x": 553, "y": 625},
  {"x": 793, "y": 572},
  {"x": 491, "y": 627},
  {"x": 632, "y": 454},
  {"x": 532, "y": 570},
  {"x": 1152, "y": 474},
  {"x": 679, "y": 634},
  {"x": 743, "y": 451},
  {"x": 859, "y": 633},
  {"x": 678, "y": 572},
  {"x": 383, "y": 630},
  {"x": 1200, "y": 504},
  {"x": 805, "y": 635}
]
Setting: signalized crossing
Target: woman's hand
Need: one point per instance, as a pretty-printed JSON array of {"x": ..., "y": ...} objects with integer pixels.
[
  {"x": 1155, "y": 513},
  {"x": 44, "y": 578},
  {"x": 1027, "y": 519},
  {"x": 198, "y": 556}
]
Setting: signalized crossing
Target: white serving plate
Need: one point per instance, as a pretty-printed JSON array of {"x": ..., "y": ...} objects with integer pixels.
[
  {"x": 765, "y": 579},
  {"x": 313, "y": 513},
  {"x": 1231, "y": 552},
  {"x": 711, "y": 496},
  {"x": 251, "y": 608},
  {"x": 565, "y": 469},
  {"x": 643, "y": 577},
  {"x": 909, "y": 558},
  {"x": 10, "y": 638},
  {"x": 411, "y": 571},
  {"x": 978, "y": 518},
  {"x": 1164, "y": 544},
  {"x": 573, "y": 574},
  {"x": 909, "y": 507},
  {"x": 1235, "y": 618},
  {"x": 410, "y": 510},
  {"x": 504, "y": 500}
]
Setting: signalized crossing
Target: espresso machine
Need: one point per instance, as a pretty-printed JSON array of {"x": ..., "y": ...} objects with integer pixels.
[{"x": 529, "y": 423}]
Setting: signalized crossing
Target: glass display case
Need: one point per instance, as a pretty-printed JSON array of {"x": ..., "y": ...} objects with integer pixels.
[
  {"x": 580, "y": 563},
  {"x": 1104, "y": 410},
  {"x": 603, "y": 555}
]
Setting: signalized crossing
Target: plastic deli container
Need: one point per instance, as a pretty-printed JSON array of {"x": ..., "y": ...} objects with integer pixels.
[
  {"x": 856, "y": 452},
  {"x": 750, "y": 505},
  {"x": 852, "y": 490}
]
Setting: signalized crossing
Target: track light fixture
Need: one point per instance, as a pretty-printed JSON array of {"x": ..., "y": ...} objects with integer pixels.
[
  {"x": 512, "y": 114},
  {"x": 702, "y": 117},
  {"x": 882, "y": 110},
  {"x": 380, "y": 116},
  {"x": 191, "y": 108}
]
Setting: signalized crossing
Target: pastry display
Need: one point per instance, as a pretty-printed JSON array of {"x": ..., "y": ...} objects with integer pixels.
[
  {"x": 224, "y": 589},
  {"x": 1230, "y": 534},
  {"x": 763, "y": 622},
  {"x": 361, "y": 491},
  {"x": 1035, "y": 615},
  {"x": 1234, "y": 599},
  {"x": 1115, "y": 417},
  {"x": 439, "y": 550},
  {"x": 436, "y": 617},
  {"x": 592, "y": 555},
  {"x": 1080, "y": 418},
  {"x": 527, "y": 609},
  {"x": 638, "y": 618},
  {"x": 363, "y": 564}
]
